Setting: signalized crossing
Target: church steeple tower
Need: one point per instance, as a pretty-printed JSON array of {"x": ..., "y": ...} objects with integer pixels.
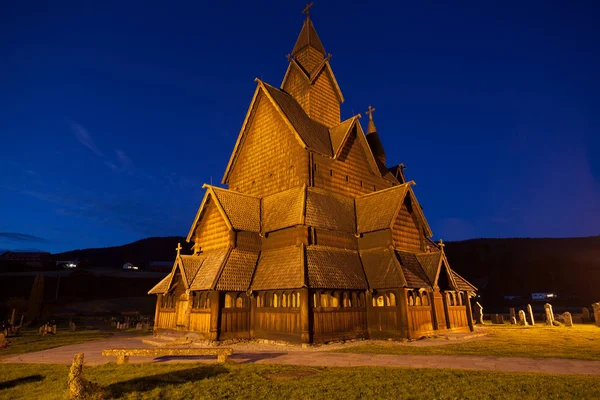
[
  {"x": 309, "y": 78},
  {"x": 308, "y": 50},
  {"x": 374, "y": 141}
]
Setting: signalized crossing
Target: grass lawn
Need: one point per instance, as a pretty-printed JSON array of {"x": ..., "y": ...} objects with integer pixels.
[
  {"x": 578, "y": 342},
  {"x": 30, "y": 340},
  {"x": 252, "y": 381}
]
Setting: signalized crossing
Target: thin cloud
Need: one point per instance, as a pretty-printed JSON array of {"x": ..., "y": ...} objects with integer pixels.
[
  {"x": 21, "y": 237},
  {"x": 85, "y": 138},
  {"x": 124, "y": 160}
]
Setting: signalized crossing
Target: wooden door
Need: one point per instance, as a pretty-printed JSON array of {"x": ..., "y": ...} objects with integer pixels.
[{"x": 182, "y": 305}]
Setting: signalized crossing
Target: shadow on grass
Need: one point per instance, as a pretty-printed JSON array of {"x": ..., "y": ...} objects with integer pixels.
[
  {"x": 148, "y": 383},
  {"x": 20, "y": 381}
]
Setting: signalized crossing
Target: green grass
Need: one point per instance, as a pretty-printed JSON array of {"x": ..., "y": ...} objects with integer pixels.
[
  {"x": 30, "y": 340},
  {"x": 577, "y": 342},
  {"x": 252, "y": 381}
]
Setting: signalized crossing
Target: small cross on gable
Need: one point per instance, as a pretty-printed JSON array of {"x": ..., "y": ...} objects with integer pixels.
[
  {"x": 441, "y": 244},
  {"x": 178, "y": 248}
]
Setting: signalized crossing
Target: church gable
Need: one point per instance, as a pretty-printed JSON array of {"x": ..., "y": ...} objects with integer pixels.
[
  {"x": 406, "y": 232},
  {"x": 269, "y": 158},
  {"x": 211, "y": 230},
  {"x": 296, "y": 83},
  {"x": 324, "y": 101}
]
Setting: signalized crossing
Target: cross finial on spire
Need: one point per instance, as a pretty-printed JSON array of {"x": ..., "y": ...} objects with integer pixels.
[
  {"x": 306, "y": 10},
  {"x": 178, "y": 248},
  {"x": 442, "y": 244},
  {"x": 370, "y": 113}
]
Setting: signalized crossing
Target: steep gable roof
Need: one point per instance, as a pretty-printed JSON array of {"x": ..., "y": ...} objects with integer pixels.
[
  {"x": 281, "y": 268},
  {"x": 314, "y": 135},
  {"x": 283, "y": 209},
  {"x": 431, "y": 263},
  {"x": 240, "y": 211},
  {"x": 308, "y": 37},
  {"x": 238, "y": 270},
  {"x": 211, "y": 268},
  {"x": 333, "y": 268},
  {"x": 325, "y": 209},
  {"x": 382, "y": 268},
  {"x": 339, "y": 134},
  {"x": 356, "y": 129},
  {"x": 189, "y": 266},
  {"x": 413, "y": 272},
  {"x": 162, "y": 286},
  {"x": 378, "y": 210}
]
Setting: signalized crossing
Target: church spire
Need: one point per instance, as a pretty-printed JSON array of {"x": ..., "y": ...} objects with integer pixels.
[
  {"x": 373, "y": 139},
  {"x": 308, "y": 47}
]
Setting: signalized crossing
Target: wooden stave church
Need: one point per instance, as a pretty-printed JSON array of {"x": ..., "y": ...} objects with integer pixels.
[{"x": 316, "y": 239}]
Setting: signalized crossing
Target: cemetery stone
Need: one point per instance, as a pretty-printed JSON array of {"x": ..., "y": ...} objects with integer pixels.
[
  {"x": 513, "y": 320},
  {"x": 522, "y": 319},
  {"x": 530, "y": 312},
  {"x": 567, "y": 319},
  {"x": 478, "y": 313},
  {"x": 596, "y": 307},
  {"x": 585, "y": 314},
  {"x": 549, "y": 314},
  {"x": 513, "y": 314}
]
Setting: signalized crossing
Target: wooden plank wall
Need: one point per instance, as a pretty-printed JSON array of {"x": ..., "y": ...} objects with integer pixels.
[
  {"x": 167, "y": 319},
  {"x": 324, "y": 103},
  {"x": 420, "y": 319},
  {"x": 235, "y": 323},
  {"x": 200, "y": 320},
  {"x": 339, "y": 323},
  {"x": 458, "y": 316},
  {"x": 212, "y": 232},
  {"x": 271, "y": 159},
  {"x": 406, "y": 233},
  {"x": 278, "y": 323}
]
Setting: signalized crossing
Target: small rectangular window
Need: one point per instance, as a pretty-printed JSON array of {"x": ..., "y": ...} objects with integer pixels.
[
  {"x": 347, "y": 178},
  {"x": 330, "y": 172},
  {"x": 360, "y": 183}
]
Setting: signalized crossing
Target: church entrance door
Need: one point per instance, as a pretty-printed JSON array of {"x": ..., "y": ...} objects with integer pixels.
[{"x": 182, "y": 305}]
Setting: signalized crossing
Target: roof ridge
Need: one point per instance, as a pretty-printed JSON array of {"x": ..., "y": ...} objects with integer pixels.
[
  {"x": 206, "y": 185},
  {"x": 391, "y": 188}
]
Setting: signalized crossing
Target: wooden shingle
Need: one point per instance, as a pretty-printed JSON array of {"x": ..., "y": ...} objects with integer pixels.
[
  {"x": 209, "y": 271},
  {"x": 279, "y": 269},
  {"x": 377, "y": 210},
  {"x": 238, "y": 270},
  {"x": 382, "y": 268},
  {"x": 162, "y": 286},
  {"x": 332, "y": 268}
]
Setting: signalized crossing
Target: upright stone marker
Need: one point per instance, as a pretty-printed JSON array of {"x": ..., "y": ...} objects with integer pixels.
[
  {"x": 549, "y": 314},
  {"x": 513, "y": 314},
  {"x": 513, "y": 320},
  {"x": 12, "y": 317},
  {"x": 530, "y": 312},
  {"x": 585, "y": 314},
  {"x": 567, "y": 319},
  {"x": 522, "y": 319},
  {"x": 478, "y": 313},
  {"x": 596, "y": 307}
]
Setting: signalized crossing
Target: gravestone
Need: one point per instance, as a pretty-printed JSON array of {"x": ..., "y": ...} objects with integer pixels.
[
  {"x": 585, "y": 314},
  {"x": 497, "y": 319},
  {"x": 549, "y": 314},
  {"x": 72, "y": 326},
  {"x": 530, "y": 312},
  {"x": 145, "y": 326},
  {"x": 513, "y": 321},
  {"x": 567, "y": 319},
  {"x": 596, "y": 307},
  {"x": 522, "y": 319},
  {"x": 12, "y": 317},
  {"x": 138, "y": 326},
  {"x": 478, "y": 313},
  {"x": 513, "y": 314}
]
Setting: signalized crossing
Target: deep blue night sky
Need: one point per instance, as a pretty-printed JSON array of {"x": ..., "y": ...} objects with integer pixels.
[{"x": 113, "y": 114}]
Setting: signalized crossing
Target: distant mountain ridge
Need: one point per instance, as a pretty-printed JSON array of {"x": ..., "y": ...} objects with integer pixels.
[{"x": 516, "y": 266}]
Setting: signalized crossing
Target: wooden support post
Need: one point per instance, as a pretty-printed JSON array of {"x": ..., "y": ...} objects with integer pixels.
[
  {"x": 446, "y": 311},
  {"x": 370, "y": 313},
  {"x": 253, "y": 300},
  {"x": 467, "y": 301},
  {"x": 215, "y": 314},
  {"x": 157, "y": 312},
  {"x": 402, "y": 304},
  {"x": 188, "y": 311},
  {"x": 434, "y": 316},
  {"x": 305, "y": 316}
]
